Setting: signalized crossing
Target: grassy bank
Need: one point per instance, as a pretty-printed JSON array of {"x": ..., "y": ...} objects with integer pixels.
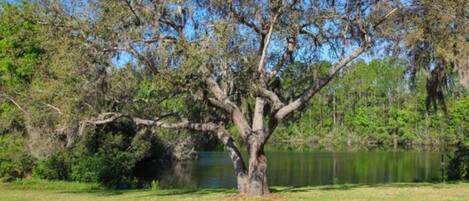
[{"x": 46, "y": 190}]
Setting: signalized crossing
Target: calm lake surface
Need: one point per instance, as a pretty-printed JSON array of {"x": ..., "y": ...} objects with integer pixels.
[{"x": 311, "y": 168}]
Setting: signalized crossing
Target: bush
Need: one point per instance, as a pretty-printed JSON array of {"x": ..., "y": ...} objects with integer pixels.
[
  {"x": 458, "y": 166},
  {"x": 88, "y": 168},
  {"x": 15, "y": 162},
  {"x": 112, "y": 169},
  {"x": 459, "y": 115},
  {"x": 117, "y": 171},
  {"x": 54, "y": 167}
]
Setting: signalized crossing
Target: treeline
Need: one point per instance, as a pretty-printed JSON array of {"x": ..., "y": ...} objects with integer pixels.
[{"x": 380, "y": 103}]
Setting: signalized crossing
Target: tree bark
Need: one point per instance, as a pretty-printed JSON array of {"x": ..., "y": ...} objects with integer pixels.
[
  {"x": 236, "y": 158},
  {"x": 254, "y": 180},
  {"x": 257, "y": 173}
]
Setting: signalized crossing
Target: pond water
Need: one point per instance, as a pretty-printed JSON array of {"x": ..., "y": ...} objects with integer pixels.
[{"x": 311, "y": 168}]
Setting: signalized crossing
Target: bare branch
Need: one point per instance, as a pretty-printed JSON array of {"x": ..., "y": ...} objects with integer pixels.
[
  {"x": 145, "y": 59},
  {"x": 129, "y": 5},
  {"x": 53, "y": 107},
  {"x": 184, "y": 124},
  {"x": 260, "y": 68},
  {"x": 385, "y": 17},
  {"x": 161, "y": 38},
  {"x": 242, "y": 19},
  {"x": 306, "y": 96},
  {"x": 14, "y": 102},
  {"x": 287, "y": 56}
]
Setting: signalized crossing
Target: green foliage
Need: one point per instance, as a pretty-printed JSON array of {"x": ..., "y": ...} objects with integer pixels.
[
  {"x": 459, "y": 115},
  {"x": 15, "y": 162},
  {"x": 110, "y": 169},
  {"x": 377, "y": 103},
  {"x": 458, "y": 166},
  {"x": 20, "y": 53},
  {"x": 60, "y": 72},
  {"x": 88, "y": 168},
  {"x": 19, "y": 44},
  {"x": 155, "y": 185},
  {"x": 401, "y": 123},
  {"x": 54, "y": 167},
  {"x": 114, "y": 170},
  {"x": 107, "y": 155},
  {"x": 117, "y": 171}
]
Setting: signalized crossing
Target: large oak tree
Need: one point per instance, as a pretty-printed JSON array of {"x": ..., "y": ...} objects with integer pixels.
[{"x": 223, "y": 60}]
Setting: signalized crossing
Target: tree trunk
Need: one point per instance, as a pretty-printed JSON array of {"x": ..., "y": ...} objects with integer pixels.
[
  {"x": 257, "y": 174},
  {"x": 253, "y": 181},
  {"x": 236, "y": 158},
  {"x": 242, "y": 183}
]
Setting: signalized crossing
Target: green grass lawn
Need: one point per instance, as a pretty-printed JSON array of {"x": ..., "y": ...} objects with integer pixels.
[{"x": 47, "y": 190}]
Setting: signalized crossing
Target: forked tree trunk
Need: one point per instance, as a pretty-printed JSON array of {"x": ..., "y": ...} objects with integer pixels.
[
  {"x": 254, "y": 180},
  {"x": 257, "y": 173},
  {"x": 251, "y": 181}
]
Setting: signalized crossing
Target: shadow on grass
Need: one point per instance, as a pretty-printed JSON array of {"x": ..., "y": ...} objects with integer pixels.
[{"x": 292, "y": 189}]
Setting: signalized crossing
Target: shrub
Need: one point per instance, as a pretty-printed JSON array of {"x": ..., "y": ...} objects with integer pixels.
[
  {"x": 459, "y": 115},
  {"x": 117, "y": 171},
  {"x": 458, "y": 166},
  {"x": 54, "y": 167},
  {"x": 110, "y": 169},
  {"x": 15, "y": 162},
  {"x": 88, "y": 168}
]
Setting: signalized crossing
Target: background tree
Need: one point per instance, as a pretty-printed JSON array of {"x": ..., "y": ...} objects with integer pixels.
[{"x": 437, "y": 41}]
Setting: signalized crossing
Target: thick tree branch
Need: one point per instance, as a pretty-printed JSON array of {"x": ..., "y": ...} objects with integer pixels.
[
  {"x": 220, "y": 96},
  {"x": 223, "y": 135},
  {"x": 160, "y": 38},
  {"x": 306, "y": 96},
  {"x": 233, "y": 151},
  {"x": 109, "y": 117},
  {"x": 261, "y": 66},
  {"x": 274, "y": 99},
  {"x": 224, "y": 103},
  {"x": 258, "y": 117}
]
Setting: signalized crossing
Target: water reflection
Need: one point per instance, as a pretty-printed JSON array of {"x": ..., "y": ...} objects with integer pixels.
[{"x": 290, "y": 168}]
